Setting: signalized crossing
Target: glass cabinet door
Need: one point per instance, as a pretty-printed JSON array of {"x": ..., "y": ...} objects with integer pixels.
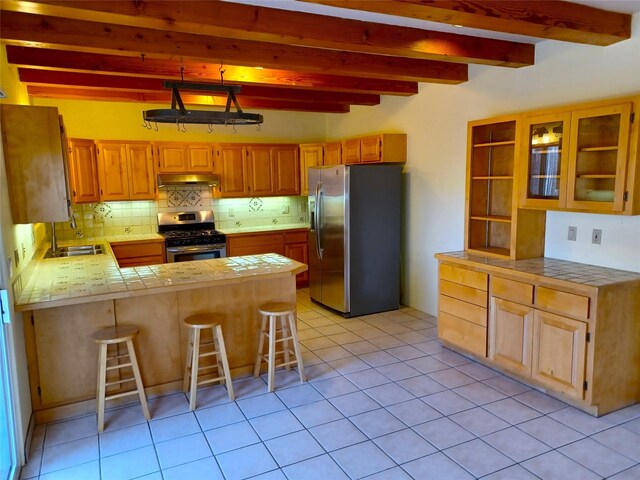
[
  {"x": 546, "y": 166},
  {"x": 599, "y": 145}
]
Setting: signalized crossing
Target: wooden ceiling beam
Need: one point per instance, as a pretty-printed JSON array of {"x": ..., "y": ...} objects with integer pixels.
[
  {"x": 200, "y": 71},
  {"x": 249, "y": 22},
  {"x": 165, "y": 97},
  {"x": 144, "y": 84},
  {"x": 551, "y": 19},
  {"x": 54, "y": 32}
]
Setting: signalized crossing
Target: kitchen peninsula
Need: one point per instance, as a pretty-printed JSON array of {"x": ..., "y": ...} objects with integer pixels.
[{"x": 69, "y": 298}]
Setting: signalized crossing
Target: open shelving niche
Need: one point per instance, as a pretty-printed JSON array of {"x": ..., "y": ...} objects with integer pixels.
[{"x": 491, "y": 193}]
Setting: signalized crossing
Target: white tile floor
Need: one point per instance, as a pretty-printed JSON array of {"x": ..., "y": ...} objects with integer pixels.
[{"x": 384, "y": 401}]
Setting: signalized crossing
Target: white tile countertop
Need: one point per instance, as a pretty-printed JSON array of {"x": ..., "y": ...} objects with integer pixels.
[{"x": 66, "y": 281}]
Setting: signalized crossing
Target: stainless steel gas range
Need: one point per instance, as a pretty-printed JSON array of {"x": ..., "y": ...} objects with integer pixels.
[{"x": 191, "y": 236}]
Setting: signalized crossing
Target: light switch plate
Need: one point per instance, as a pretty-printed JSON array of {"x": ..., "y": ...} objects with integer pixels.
[{"x": 573, "y": 234}]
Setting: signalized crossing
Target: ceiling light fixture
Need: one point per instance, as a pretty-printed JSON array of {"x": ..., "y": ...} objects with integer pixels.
[{"x": 179, "y": 114}]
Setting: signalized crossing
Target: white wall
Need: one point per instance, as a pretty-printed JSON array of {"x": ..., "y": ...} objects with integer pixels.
[{"x": 435, "y": 121}]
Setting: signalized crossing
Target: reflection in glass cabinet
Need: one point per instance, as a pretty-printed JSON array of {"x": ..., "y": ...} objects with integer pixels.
[{"x": 545, "y": 151}]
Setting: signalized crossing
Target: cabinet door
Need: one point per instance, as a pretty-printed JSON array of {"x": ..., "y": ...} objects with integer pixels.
[
  {"x": 597, "y": 158},
  {"x": 112, "y": 170},
  {"x": 310, "y": 156},
  {"x": 142, "y": 181},
  {"x": 351, "y": 151},
  {"x": 233, "y": 170},
  {"x": 544, "y": 161},
  {"x": 559, "y": 351},
  {"x": 259, "y": 170},
  {"x": 172, "y": 157},
  {"x": 199, "y": 158},
  {"x": 84, "y": 171},
  {"x": 371, "y": 149},
  {"x": 511, "y": 335},
  {"x": 296, "y": 249},
  {"x": 333, "y": 154},
  {"x": 286, "y": 170}
]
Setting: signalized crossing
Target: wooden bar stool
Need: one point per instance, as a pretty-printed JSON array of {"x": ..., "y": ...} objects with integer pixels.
[
  {"x": 192, "y": 368},
  {"x": 271, "y": 312},
  {"x": 113, "y": 336}
]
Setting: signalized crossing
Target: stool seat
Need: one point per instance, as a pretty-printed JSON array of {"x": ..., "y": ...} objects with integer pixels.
[
  {"x": 203, "y": 320},
  {"x": 198, "y": 324},
  {"x": 112, "y": 336},
  {"x": 271, "y": 313},
  {"x": 276, "y": 308},
  {"x": 117, "y": 334}
]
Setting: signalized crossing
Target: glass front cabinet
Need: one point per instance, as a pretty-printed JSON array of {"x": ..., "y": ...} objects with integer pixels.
[{"x": 577, "y": 160}]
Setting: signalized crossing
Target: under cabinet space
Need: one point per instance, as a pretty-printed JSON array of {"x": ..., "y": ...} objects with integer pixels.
[{"x": 490, "y": 236}]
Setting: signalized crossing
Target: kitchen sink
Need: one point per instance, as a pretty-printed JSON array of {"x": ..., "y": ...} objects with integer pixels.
[{"x": 75, "y": 251}]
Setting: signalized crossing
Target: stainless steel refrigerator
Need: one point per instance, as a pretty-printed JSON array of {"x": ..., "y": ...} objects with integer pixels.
[{"x": 354, "y": 239}]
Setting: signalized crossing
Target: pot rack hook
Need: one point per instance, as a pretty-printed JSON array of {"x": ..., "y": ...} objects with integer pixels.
[
  {"x": 210, "y": 128},
  {"x": 221, "y": 70}
]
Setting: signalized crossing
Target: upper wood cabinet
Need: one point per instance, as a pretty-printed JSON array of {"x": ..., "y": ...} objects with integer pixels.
[
  {"x": 582, "y": 158},
  {"x": 35, "y": 157},
  {"x": 333, "y": 154},
  {"x": 258, "y": 170},
  {"x": 285, "y": 170},
  {"x": 181, "y": 157},
  {"x": 494, "y": 224},
  {"x": 83, "y": 170},
  {"x": 311, "y": 155},
  {"x": 385, "y": 147},
  {"x": 125, "y": 171}
]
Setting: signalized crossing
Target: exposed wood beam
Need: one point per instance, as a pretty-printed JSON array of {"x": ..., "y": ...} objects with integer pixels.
[
  {"x": 96, "y": 37},
  {"x": 200, "y": 71},
  {"x": 249, "y": 22},
  {"x": 144, "y": 84},
  {"x": 165, "y": 97},
  {"x": 552, "y": 19}
]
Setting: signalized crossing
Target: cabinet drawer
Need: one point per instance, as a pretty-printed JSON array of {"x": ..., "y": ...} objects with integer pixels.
[
  {"x": 563, "y": 302},
  {"x": 471, "y": 313},
  {"x": 512, "y": 290},
  {"x": 463, "y": 334},
  {"x": 462, "y": 292},
  {"x": 295, "y": 237},
  {"x": 137, "y": 250},
  {"x": 254, "y": 240},
  {"x": 464, "y": 276}
]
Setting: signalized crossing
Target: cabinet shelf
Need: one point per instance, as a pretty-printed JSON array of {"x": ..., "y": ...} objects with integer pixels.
[
  {"x": 537, "y": 151},
  {"x": 597, "y": 175},
  {"x": 494, "y": 144},
  {"x": 493, "y": 177},
  {"x": 503, "y": 252},
  {"x": 598, "y": 149},
  {"x": 544, "y": 176},
  {"x": 492, "y": 218}
]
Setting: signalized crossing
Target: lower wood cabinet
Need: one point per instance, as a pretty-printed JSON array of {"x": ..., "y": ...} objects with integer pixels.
[
  {"x": 291, "y": 244},
  {"x": 137, "y": 253},
  {"x": 578, "y": 341}
]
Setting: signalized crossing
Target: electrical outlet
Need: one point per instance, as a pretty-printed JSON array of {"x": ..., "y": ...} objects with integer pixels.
[
  {"x": 24, "y": 251},
  {"x": 573, "y": 234},
  {"x": 10, "y": 266},
  {"x": 232, "y": 213},
  {"x": 596, "y": 236},
  {"x": 284, "y": 210}
]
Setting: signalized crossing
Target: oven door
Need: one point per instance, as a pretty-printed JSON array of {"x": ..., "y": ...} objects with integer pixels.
[{"x": 196, "y": 252}]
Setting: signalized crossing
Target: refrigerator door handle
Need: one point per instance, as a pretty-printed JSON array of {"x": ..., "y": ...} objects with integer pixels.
[{"x": 318, "y": 219}]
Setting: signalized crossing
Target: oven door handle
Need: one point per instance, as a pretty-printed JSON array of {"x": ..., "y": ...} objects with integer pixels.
[{"x": 196, "y": 248}]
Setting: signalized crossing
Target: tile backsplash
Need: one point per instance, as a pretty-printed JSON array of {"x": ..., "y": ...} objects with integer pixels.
[{"x": 139, "y": 217}]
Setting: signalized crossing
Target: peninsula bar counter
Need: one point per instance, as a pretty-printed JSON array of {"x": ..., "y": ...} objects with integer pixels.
[{"x": 68, "y": 299}]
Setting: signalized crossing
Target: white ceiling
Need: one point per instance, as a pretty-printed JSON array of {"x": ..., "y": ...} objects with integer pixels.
[{"x": 622, "y": 6}]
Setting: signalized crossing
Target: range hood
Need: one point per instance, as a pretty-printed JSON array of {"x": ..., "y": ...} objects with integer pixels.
[{"x": 165, "y": 179}]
